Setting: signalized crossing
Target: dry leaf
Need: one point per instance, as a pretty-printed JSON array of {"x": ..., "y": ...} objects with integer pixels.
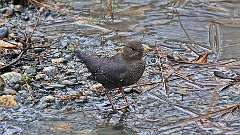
[{"x": 202, "y": 59}]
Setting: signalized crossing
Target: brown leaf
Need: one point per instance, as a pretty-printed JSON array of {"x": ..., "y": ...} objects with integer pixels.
[{"x": 202, "y": 59}]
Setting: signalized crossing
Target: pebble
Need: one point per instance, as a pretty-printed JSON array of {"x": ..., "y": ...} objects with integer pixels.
[
  {"x": 4, "y": 32},
  {"x": 58, "y": 61},
  {"x": 25, "y": 18},
  {"x": 41, "y": 76},
  {"x": 29, "y": 70},
  {"x": 9, "y": 12},
  {"x": 2, "y": 84},
  {"x": 128, "y": 90},
  {"x": 18, "y": 8},
  {"x": 9, "y": 91},
  {"x": 70, "y": 71},
  {"x": 51, "y": 70},
  {"x": 3, "y": 10},
  {"x": 39, "y": 50},
  {"x": 68, "y": 82},
  {"x": 45, "y": 101},
  {"x": 68, "y": 57},
  {"x": 12, "y": 78},
  {"x": 55, "y": 86}
]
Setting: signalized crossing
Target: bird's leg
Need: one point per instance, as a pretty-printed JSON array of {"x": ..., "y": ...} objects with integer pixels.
[
  {"x": 110, "y": 99},
  {"x": 122, "y": 91}
]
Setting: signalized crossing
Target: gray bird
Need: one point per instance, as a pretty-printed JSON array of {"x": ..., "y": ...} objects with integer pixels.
[{"x": 123, "y": 69}]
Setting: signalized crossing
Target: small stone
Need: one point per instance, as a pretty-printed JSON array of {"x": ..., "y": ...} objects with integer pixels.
[
  {"x": 56, "y": 86},
  {"x": 58, "y": 61},
  {"x": 56, "y": 54},
  {"x": 45, "y": 101},
  {"x": 9, "y": 91},
  {"x": 9, "y": 12},
  {"x": 3, "y": 10},
  {"x": 18, "y": 8},
  {"x": 39, "y": 50},
  {"x": 68, "y": 82},
  {"x": 40, "y": 76},
  {"x": 70, "y": 71},
  {"x": 82, "y": 99},
  {"x": 30, "y": 70},
  {"x": 26, "y": 18},
  {"x": 4, "y": 32},
  {"x": 2, "y": 84},
  {"x": 128, "y": 90},
  {"x": 12, "y": 78},
  {"x": 48, "y": 99},
  {"x": 97, "y": 88},
  {"x": 51, "y": 70},
  {"x": 68, "y": 57}
]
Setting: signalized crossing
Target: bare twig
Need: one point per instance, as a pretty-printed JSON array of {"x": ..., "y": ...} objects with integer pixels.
[{"x": 189, "y": 38}]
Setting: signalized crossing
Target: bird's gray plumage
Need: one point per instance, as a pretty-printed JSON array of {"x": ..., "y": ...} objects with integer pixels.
[{"x": 123, "y": 69}]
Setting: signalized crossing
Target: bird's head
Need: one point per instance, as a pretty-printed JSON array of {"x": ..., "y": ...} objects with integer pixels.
[{"x": 133, "y": 51}]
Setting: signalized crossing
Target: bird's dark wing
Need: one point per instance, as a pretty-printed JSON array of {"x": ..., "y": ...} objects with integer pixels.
[{"x": 108, "y": 71}]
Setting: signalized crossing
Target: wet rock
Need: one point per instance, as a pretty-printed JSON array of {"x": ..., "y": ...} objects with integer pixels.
[
  {"x": 3, "y": 10},
  {"x": 57, "y": 54},
  {"x": 9, "y": 91},
  {"x": 68, "y": 57},
  {"x": 58, "y": 61},
  {"x": 29, "y": 70},
  {"x": 8, "y": 101},
  {"x": 4, "y": 32},
  {"x": 9, "y": 129},
  {"x": 51, "y": 70},
  {"x": 82, "y": 99},
  {"x": 9, "y": 12},
  {"x": 39, "y": 50},
  {"x": 46, "y": 101},
  {"x": 70, "y": 71},
  {"x": 128, "y": 90},
  {"x": 18, "y": 8},
  {"x": 98, "y": 88},
  {"x": 2, "y": 84},
  {"x": 26, "y": 18},
  {"x": 41, "y": 76},
  {"x": 52, "y": 86},
  {"x": 68, "y": 82},
  {"x": 12, "y": 78}
]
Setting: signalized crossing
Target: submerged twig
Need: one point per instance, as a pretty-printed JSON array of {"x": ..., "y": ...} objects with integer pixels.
[
  {"x": 188, "y": 121},
  {"x": 189, "y": 38}
]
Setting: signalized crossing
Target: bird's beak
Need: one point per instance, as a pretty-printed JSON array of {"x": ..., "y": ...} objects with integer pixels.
[{"x": 146, "y": 48}]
